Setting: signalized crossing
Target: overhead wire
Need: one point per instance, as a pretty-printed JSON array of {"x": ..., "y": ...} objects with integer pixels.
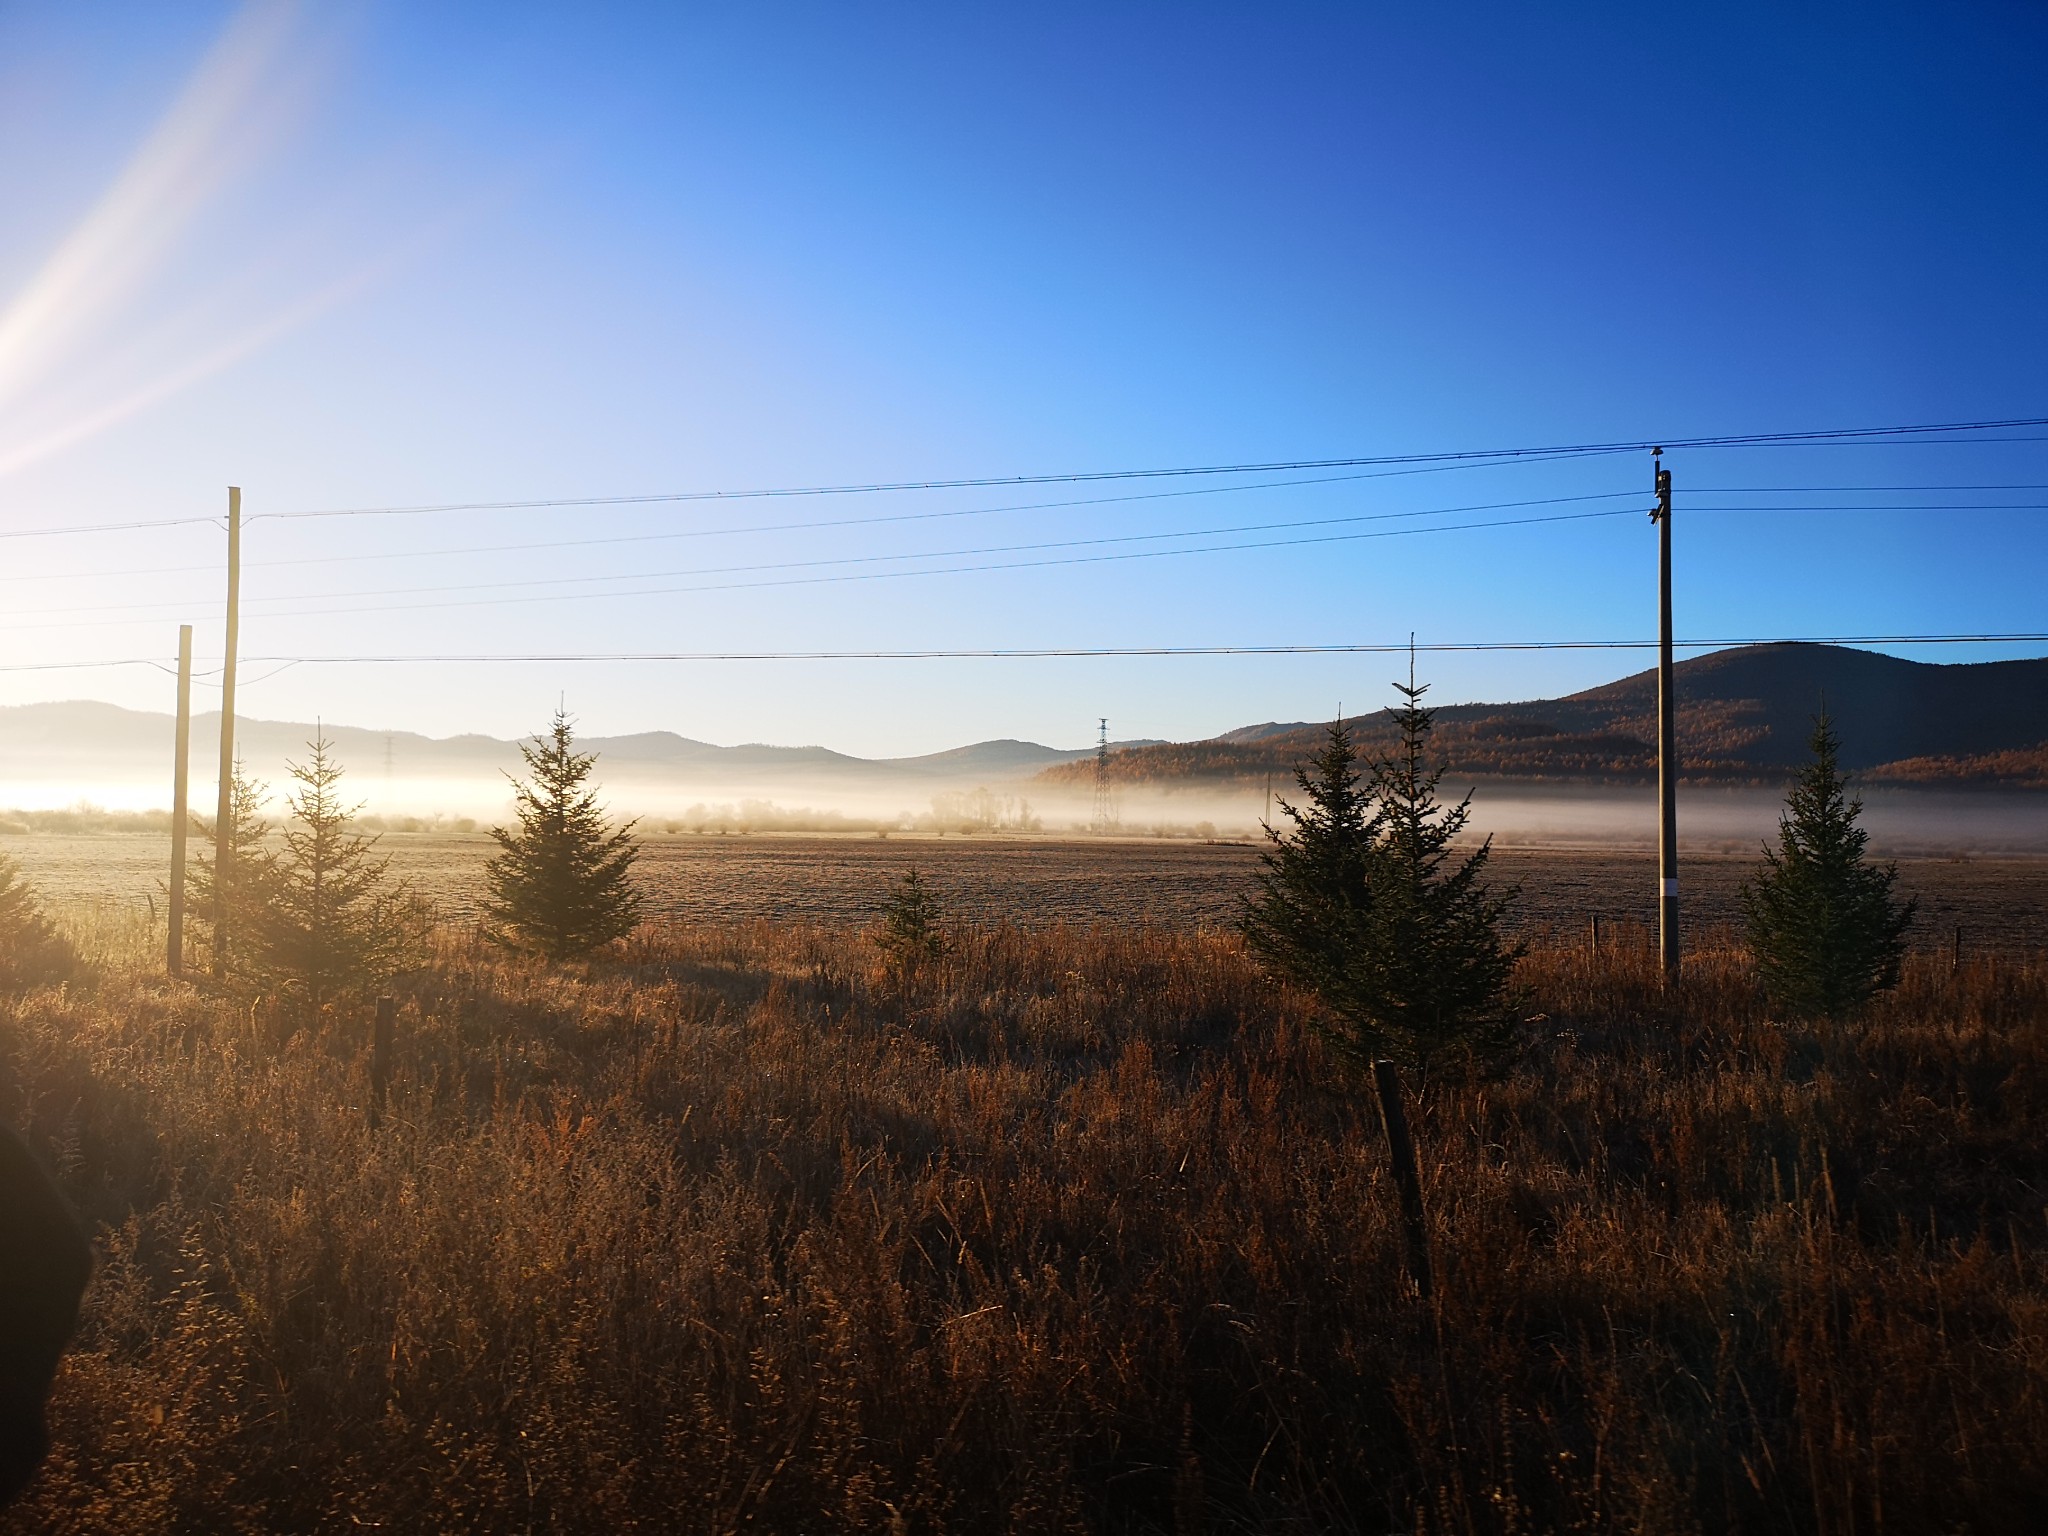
[
  {"x": 951, "y": 570},
  {"x": 1058, "y": 652},
  {"x": 159, "y": 522},
  {"x": 936, "y": 554},
  {"x": 1496, "y": 455},
  {"x": 744, "y": 529},
  {"x": 299, "y": 599},
  {"x": 1847, "y": 436},
  {"x": 741, "y": 530}
]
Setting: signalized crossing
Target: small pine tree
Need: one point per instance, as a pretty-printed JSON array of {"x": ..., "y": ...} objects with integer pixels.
[
  {"x": 1315, "y": 880},
  {"x": 910, "y": 936},
  {"x": 250, "y": 871},
  {"x": 1823, "y": 925},
  {"x": 562, "y": 884},
  {"x": 333, "y": 922},
  {"x": 1429, "y": 982},
  {"x": 31, "y": 949},
  {"x": 1364, "y": 905}
]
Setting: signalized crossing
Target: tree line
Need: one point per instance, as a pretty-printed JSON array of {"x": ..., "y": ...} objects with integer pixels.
[
  {"x": 317, "y": 915},
  {"x": 1365, "y": 903}
]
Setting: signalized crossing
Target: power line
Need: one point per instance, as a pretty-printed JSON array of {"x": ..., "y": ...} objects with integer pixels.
[
  {"x": 1062, "y": 652},
  {"x": 1438, "y": 460},
  {"x": 742, "y": 530},
  {"x": 160, "y": 522},
  {"x": 1844, "y": 436},
  {"x": 959, "y": 570},
  {"x": 1979, "y": 506},
  {"x": 996, "y": 549},
  {"x": 294, "y": 602},
  {"x": 946, "y": 570},
  {"x": 1572, "y": 450},
  {"x": 1830, "y": 490}
]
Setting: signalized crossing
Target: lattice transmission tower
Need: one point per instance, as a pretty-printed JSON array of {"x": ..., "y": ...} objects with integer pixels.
[{"x": 1105, "y": 797}]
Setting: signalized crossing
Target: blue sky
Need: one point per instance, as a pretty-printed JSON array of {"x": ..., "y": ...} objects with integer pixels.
[{"x": 393, "y": 255}]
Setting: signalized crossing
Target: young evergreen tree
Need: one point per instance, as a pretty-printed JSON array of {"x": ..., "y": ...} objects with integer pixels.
[
  {"x": 1429, "y": 981},
  {"x": 1366, "y": 905},
  {"x": 1823, "y": 924},
  {"x": 910, "y": 936},
  {"x": 250, "y": 871},
  {"x": 333, "y": 921},
  {"x": 1316, "y": 881},
  {"x": 562, "y": 884},
  {"x": 31, "y": 949}
]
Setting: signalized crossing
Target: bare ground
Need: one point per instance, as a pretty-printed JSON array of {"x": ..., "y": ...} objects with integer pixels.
[{"x": 841, "y": 881}]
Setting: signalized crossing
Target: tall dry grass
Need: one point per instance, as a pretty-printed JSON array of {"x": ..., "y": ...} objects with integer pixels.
[{"x": 1085, "y": 1233}]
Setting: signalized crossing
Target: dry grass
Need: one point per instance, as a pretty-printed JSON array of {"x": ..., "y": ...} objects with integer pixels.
[{"x": 725, "y": 1233}]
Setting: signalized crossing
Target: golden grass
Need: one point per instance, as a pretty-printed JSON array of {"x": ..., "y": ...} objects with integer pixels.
[{"x": 725, "y": 1232}]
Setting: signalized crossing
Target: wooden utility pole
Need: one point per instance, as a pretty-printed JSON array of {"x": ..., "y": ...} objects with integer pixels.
[
  {"x": 174, "y": 945},
  {"x": 224, "y": 822},
  {"x": 1667, "y": 736}
]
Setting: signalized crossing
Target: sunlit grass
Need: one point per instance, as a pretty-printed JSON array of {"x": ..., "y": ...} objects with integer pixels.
[{"x": 1081, "y": 1231}]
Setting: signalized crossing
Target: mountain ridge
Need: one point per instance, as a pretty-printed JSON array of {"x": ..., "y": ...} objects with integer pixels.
[
  {"x": 87, "y": 734},
  {"x": 1745, "y": 715}
]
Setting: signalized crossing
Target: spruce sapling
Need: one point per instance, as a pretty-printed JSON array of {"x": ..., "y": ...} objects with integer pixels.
[
  {"x": 561, "y": 885},
  {"x": 1365, "y": 904},
  {"x": 1823, "y": 924},
  {"x": 333, "y": 922}
]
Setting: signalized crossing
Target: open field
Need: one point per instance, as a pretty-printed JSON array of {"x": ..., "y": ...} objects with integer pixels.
[
  {"x": 839, "y": 881},
  {"x": 1082, "y": 1230}
]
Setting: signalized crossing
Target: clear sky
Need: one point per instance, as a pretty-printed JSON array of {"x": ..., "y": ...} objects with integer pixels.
[{"x": 405, "y": 254}]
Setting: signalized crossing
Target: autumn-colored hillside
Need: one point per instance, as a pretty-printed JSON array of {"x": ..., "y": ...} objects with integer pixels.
[{"x": 1744, "y": 716}]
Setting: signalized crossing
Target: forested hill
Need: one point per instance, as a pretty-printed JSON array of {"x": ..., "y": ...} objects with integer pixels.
[{"x": 1745, "y": 715}]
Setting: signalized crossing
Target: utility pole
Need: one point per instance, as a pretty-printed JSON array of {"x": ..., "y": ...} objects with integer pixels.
[
  {"x": 224, "y": 822},
  {"x": 1667, "y": 735},
  {"x": 174, "y": 945}
]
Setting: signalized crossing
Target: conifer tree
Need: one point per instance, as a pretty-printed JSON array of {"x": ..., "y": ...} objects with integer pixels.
[
  {"x": 31, "y": 949},
  {"x": 1366, "y": 904},
  {"x": 1823, "y": 925},
  {"x": 562, "y": 884},
  {"x": 1315, "y": 880},
  {"x": 1428, "y": 985},
  {"x": 250, "y": 870},
  {"x": 333, "y": 921},
  {"x": 910, "y": 936}
]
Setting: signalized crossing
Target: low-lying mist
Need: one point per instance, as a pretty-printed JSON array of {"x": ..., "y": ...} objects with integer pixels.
[{"x": 1519, "y": 814}]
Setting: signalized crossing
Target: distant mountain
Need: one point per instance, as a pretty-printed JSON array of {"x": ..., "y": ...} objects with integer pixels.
[
  {"x": 1744, "y": 715},
  {"x": 83, "y": 739}
]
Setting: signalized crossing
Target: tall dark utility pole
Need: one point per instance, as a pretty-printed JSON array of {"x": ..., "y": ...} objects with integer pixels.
[
  {"x": 224, "y": 824},
  {"x": 1667, "y": 735}
]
